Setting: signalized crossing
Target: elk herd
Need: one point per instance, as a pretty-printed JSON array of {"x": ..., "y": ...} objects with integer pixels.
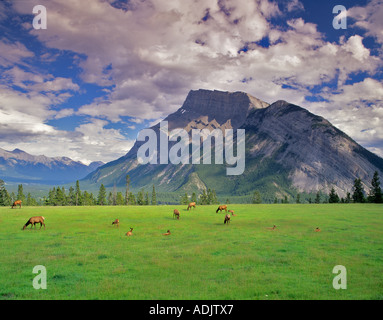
[{"x": 176, "y": 214}]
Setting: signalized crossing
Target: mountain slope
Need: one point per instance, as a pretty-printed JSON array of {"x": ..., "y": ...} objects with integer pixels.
[
  {"x": 287, "y": 148},
  {"x": 19, "y": 166}
]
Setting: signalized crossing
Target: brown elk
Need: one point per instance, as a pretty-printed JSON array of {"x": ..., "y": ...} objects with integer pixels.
[
  {"x": 317, "y": 229},
  {"x": 130, "y": 233},
  {"x": 17, "y": 203},
  {"x": 273, "y": 228},
  {"x": 116, "y": 223},
  {"x": 176, "y": 214},
  {"x": 167, "y": 233},
  {"x": 32, "y": 221},
  {"x": 227, "y": 219},
  {"x": 221, "y": 208},
  {"x": 232, "y": 213},
  {"x": 191, "y": 204}
]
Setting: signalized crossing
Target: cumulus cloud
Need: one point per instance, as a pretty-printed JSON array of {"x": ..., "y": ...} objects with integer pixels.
[
  {"x": 369, "y": 18},
  {"x": 149, "y": 54}
]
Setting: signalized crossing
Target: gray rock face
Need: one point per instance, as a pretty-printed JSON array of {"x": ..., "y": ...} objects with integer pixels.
[
  {"x": 317, "y": 154},
  {"x": 284, "y": 142},
  {"x": 214, "y": 109}
]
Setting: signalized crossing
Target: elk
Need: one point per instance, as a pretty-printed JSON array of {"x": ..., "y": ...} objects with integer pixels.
[
  {"x": 17, "y": 203},
  {"x": 221, "y": 208},
  {"x": 317, "y": 229},
  {"x": 176, "y": 214},
  {"x": 232, "y": 213},
  {"x": 32, "y": 221},
  {"x": 116, "y": 223},
  {"x": 130, "y": 233},
  {"x": 191, "y": 204},
  {"x": 167, "y": 233},
  {"x": 273, "y": 228},
  {"x": 227, "y": 219}
]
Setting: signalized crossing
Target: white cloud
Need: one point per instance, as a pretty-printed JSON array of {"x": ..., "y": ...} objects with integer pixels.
[
  {"x": 155, "y": 51},
  {"x": 295, "y": 5},
  {"x": 369, "y": 18},
  {"x": 357, "y": 110},
  {"x": 355, "y": 46},
  {"x": 12, "y": 53}
]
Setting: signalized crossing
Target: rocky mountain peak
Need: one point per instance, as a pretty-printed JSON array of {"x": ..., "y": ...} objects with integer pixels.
[{"x": 203, "y": 108}]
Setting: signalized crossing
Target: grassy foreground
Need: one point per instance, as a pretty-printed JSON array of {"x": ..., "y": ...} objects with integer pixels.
[{"x": 87, "y": 258}]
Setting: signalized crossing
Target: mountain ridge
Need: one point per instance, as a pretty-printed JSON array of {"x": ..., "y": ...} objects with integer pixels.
[
  {"x": 287, "y": 148},
  {"x": 18, "y": 165}
]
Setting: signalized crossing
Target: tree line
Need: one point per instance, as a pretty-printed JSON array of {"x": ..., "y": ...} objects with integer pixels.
[{"x": 58, "y": 196}]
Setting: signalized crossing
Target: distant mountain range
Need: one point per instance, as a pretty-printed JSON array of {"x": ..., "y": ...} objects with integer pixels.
[
  {"x": 288, "y": 150},
  {"x": 21, "y": 167}
]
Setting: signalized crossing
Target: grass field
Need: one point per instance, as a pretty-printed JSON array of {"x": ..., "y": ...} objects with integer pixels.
[{"x": 87, "y": 258}]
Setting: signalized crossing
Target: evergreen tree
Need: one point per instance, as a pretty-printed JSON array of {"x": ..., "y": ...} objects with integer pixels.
[
  {"x": 348, "y": 198},
  {"x": 317, "y": 198},
  {"x": 78, "y": 200},
  {"x": 20, "y": 193},
  {"x": 358, "y": 195},
  {"x": 194, "y": 197},
  {"x": 146, "y": 202},
  {"x": 256, "y": 198},
  {"x": 132, "y": 199},
  {"x": 4, "y": 196},
  {"x": 298, "y": 199},
  {"x": 185, "y": 199},
  {"x": 127, "y": 189},
  {"x": 58, "y": 197},
  {"x": 30, "y": 201},
  {"x": 154, "y": 197},
  {"x": 101, "y": 199},
  {"x": 2, "y": 193},
  {"x": 71, "y": 199},
  {"x": 52, "y": 197},
  {"x": 375, "y": 195},
  {"x": 120, "y": 199},
  {"x": 275, "y": 200},
  {"x": 140, "y": 198},
  {"x": 87, "y": 199},
  {"x": 12, "y": 197},
  {"x": 333, "y": 196},
  {"x": 286, "y": 200},
  {"x": 203, "y": 198},
  {"x": 214, "y": 197},
  {"x": 114, "y": 195},
  {"x": 110, "y": 199}
]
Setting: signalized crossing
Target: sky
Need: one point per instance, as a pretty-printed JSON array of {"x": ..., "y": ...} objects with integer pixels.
[{"x": 104, "y": 69}]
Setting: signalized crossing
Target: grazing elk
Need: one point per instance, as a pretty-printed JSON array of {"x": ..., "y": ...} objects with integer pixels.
[
  {"x": 32, "y": 221},
  {"x": 167, "y": 233},
  {"x": 176, "y": 214},
  {"x": 191, "y": 204},
  {"x": 317, "y": 229},
  {"x": 116, "y": 223},
  {"x": 221, "y": 208},
  {"x": 227, "y": 219},
  {"x": 273, "y": 228},
  {"x": 130, "y": 233},
  {"x": 17, "y": 203},
  {"x": 232, "y": 212}
]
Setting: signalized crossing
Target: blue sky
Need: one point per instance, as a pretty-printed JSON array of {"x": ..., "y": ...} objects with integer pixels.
[{"x": 103, "y": 70}]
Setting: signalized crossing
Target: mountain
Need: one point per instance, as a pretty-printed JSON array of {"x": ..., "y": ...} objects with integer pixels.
[
  {"x": 19, "y": 166},
  {"x": 288, "y": 150}
]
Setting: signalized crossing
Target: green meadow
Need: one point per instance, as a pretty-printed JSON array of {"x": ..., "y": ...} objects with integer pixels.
[{"x": 87, "y": 258}]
